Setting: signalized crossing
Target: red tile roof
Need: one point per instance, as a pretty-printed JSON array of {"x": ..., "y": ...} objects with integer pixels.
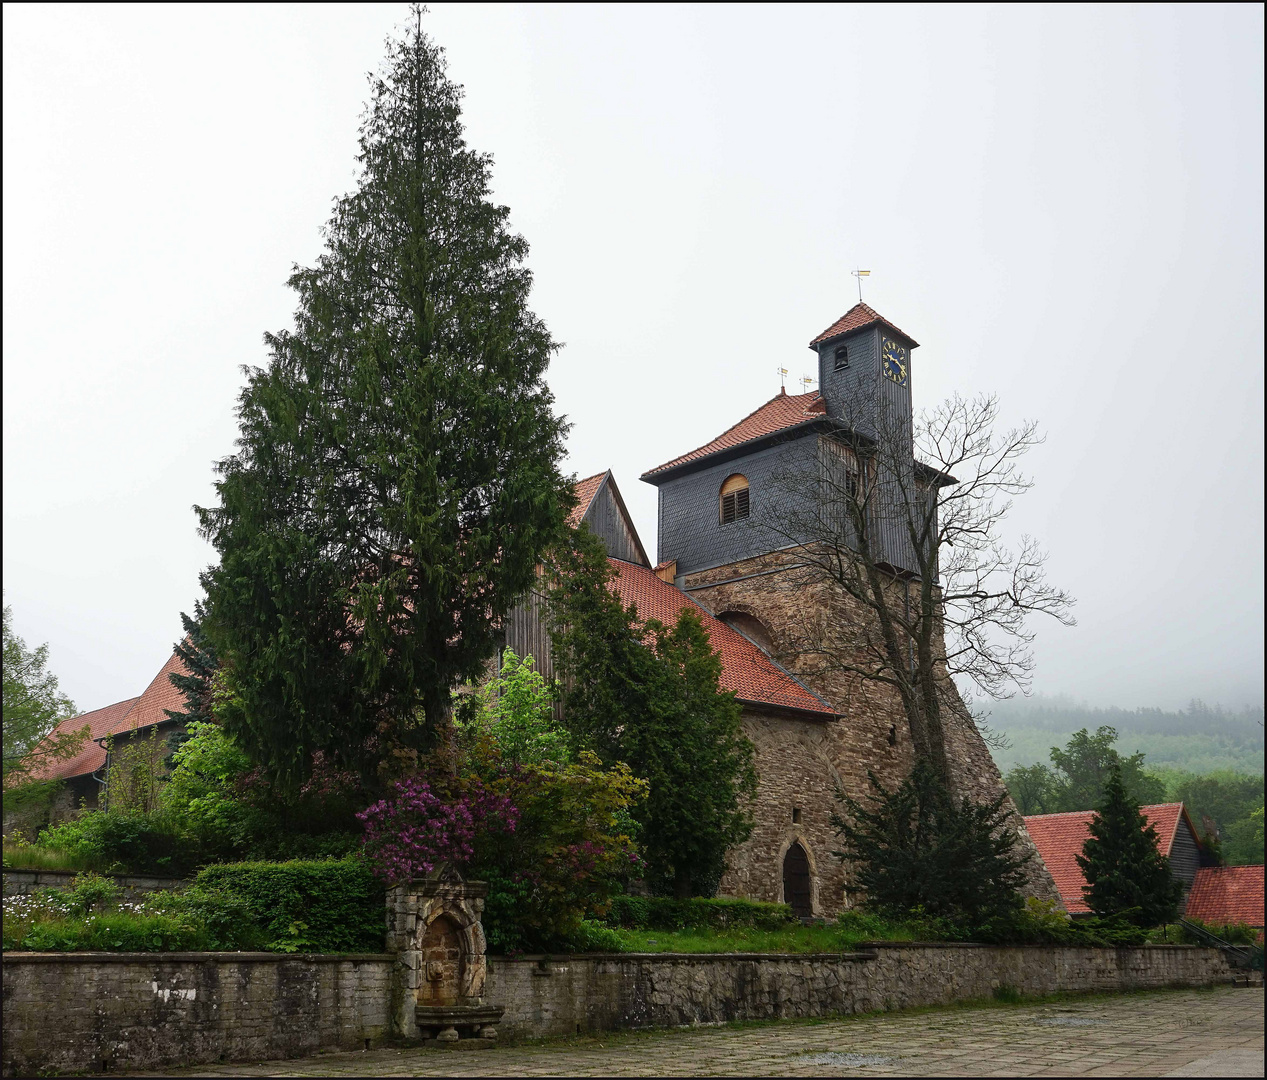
[
  {"x": 777, "y": 414},
  {"x": 138, "y": 712},
  {"x": 1059, "y": 837},
  {"x": 1227, "y": 894},
  {"x": 746, "y": 670},
  {"x": 101, "y": 722},
  {"x": 151, "y": 707},
  {"x": 585, "y": 490},
  {"x": 856, "y": 318}
]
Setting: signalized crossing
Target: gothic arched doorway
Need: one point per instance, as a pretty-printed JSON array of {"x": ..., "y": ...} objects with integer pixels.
[{"x": 796, "y": 891}]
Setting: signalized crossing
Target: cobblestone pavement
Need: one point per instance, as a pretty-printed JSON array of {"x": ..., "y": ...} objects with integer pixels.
[{"x": 1162, "y": 1033}]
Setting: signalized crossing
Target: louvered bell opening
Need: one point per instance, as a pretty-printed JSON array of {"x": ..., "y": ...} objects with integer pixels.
[
  {"x": 734, "y": 498},
  {"x": 734, "y": 506}
]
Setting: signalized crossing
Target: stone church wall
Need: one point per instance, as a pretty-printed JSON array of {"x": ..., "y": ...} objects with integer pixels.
[{"x": 872, "y": 735}]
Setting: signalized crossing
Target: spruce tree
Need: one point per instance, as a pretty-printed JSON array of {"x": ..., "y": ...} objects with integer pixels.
[
  {"x": 918, "y": 850},
  {"x": 199, "y": 657},
  {"x": 649, "y": 695},
  {"x": 397, "y": 473},
  {"x": 1126, "y": 874}
]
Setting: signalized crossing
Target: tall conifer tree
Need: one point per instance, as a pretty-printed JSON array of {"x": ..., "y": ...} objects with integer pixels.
[
  {"x": 1126, "y": 874},
  {"x": 650, "y": 695},
  {"x": 397, "y": 474}
]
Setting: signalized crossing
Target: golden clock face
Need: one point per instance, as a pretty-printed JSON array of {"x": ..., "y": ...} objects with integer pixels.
[{"x": 893, "y": 361}]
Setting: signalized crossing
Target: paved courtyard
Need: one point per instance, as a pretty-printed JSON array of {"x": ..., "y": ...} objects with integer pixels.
[{"x": 1163, "y": 1033}]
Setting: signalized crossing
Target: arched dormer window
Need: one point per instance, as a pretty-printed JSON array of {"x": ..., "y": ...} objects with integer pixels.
[{"x": 734, "y": 498}]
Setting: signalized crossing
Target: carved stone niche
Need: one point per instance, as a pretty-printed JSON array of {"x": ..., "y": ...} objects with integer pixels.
[{"x": 434, "y": 928}]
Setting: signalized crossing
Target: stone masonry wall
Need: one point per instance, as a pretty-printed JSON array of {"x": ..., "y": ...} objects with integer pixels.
[
  {"x": 567, "y": 995},
  {"x": 27, "y": 882},
  {"x": 70, "y": 1012},
  {"x": 872, "y": 734}
]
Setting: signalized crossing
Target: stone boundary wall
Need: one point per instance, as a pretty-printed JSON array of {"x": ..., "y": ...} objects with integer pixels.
[
  {"x": 72, "y": 1012},
  {"x": 564, "y": 995},
  {"x": 26, "y": 882}
]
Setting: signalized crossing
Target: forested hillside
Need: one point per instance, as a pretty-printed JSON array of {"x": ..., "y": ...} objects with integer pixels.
[
  {"x": 1061, "y": 754},
  {"x": 1199, "y": 739}
]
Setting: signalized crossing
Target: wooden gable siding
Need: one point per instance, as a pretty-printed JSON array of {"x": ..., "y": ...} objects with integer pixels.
[
  {"x": 526, "y": 629},
  {"x": 527, "y": 634},
  {"x": 608, "y": 518},
  {"x": 1185, "y": 854}
]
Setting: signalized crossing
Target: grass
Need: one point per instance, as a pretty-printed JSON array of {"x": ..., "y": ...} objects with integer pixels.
[
  {"x": 19, "y": 855},
  {"x": 838, "y": 937}
]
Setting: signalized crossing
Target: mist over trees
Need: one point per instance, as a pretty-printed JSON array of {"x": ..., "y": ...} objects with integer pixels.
[{"x": 1199, "y": 738}]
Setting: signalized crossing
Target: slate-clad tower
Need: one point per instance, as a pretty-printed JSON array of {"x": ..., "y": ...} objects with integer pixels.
[{"x": 727, "y": 540}]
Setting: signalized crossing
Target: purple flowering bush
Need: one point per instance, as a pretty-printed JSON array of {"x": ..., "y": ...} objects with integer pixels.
[
  {"x": 574, "y": 848},
  {"x": 415, "y": 830}
]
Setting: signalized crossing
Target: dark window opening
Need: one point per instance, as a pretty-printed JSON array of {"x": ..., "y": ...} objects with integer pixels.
[
  {"x": 892, "y": 735},
  {"x": 841, "y": 357},
  {"x": 734, "y": 505},
  {"x": 796, "y": 815},
  {"x": 751, "y": 627},
  {"x": 851, "y": 484}
]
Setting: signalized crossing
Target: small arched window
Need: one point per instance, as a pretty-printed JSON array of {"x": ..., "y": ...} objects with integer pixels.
[{"x": 734, "y": 498}]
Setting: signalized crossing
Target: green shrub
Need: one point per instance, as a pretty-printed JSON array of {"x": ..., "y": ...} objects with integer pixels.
[
  {"x": 300, "y": 906},
  {"x": 89, "y": 891},
  {"x": 664, "y": 913},
  {"x": 1007, "y": 994},
  {"x": 228, "y": 919},
  {"x": 595, "y": 937},
  {"x": 1232, "y": 933},
  {"x": 132, "y": 843}
]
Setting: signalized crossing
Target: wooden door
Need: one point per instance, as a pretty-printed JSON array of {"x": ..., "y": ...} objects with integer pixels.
[{"x": 796, "y": 882}]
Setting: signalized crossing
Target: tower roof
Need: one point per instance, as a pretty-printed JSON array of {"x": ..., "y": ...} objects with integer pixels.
[
  {"x": 778, "y": 414},
  {"x": 856, "y": 318}
]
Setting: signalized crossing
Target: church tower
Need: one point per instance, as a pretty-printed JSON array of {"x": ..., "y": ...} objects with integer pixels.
[
  {"x": 864, "y": 364},
  {"x": 727, "y": 524}
]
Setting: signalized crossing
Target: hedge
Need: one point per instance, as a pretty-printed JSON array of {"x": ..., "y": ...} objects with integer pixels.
[
  {"x": 663, "y": 913},
  {"x": 306, "y": 906}
]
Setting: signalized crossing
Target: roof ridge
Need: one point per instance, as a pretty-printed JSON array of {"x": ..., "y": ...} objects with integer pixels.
[
  {"x": 1095, "y": 810},
  {"x": 102, "y": 708},
  {"x": 781, "y": 395}
]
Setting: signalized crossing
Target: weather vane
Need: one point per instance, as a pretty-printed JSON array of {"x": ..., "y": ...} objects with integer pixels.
[
  {"x": 860, "y": 274},
  {"x": 806, "y": 383},
  {"x": 782, "y": 377}
]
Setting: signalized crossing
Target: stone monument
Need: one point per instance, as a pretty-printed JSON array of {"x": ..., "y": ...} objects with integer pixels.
[{"x": 434, "y": 929}]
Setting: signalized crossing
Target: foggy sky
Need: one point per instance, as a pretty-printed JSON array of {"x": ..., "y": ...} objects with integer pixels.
[{"x": 1064, "y": 205}]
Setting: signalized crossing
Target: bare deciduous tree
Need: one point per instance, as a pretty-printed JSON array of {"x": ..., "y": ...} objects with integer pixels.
[{"x": 905, "y": 518}]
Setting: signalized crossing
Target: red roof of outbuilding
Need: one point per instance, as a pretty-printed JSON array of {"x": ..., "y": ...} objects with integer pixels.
[
  {"x": 1227, "y": 894},
  {"x": 138, "y": 712},
  {"x": 856, "y": 318},
  {"x": 746, "y": 670},
  {"x": 1059, "y": 837},
  {"x": 779, "y": 413}
]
